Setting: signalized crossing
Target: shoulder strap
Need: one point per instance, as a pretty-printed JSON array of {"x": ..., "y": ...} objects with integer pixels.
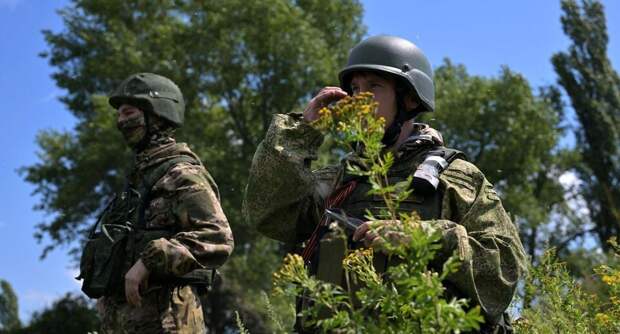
[
  {"x": 449, "y": 154},
  {"x": 156, "y": 173},
  {"x": 152, "y": 176},
  {"x": 93, "y": 229}
]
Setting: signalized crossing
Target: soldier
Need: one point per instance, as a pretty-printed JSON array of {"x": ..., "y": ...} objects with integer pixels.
[
  {"x": 161, "y": 239},
  {"x": 287, "y": 201}
]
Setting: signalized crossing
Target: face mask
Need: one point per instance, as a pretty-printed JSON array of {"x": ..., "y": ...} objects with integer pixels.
[{"x": 133, "y": 129}]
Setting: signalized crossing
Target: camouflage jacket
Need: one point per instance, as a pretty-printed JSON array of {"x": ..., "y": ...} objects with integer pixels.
[
  {"x": 284, "y": 200},
  {"x": 185, "y": 202}
]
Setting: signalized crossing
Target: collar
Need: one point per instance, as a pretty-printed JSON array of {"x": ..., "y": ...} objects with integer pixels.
[{"x": 158, "y": 154}]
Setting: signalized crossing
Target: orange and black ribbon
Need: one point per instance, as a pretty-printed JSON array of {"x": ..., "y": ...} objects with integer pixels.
[{"x": 334, "y": 200}]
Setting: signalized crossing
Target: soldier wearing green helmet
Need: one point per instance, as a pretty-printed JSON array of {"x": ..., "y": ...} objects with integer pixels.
[
  {"x": 287, "y": 201},
  {"x": 154, "y": 249}
]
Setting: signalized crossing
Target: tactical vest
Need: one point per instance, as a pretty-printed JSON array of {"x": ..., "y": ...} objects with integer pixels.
[
  {"x": 328, "y": 260},
  {"x": 326, "y": 263},
  {"x": 119, "y": 236}
]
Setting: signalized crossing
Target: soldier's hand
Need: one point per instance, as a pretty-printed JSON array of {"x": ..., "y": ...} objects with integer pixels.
[
  {"x": 375, "y": 233},
  {"x": 325, "y": 96},
  {"x": 136, "y": 277}
]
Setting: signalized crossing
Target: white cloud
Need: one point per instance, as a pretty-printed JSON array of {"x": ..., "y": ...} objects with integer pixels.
[{"x": 10, "y": 4}]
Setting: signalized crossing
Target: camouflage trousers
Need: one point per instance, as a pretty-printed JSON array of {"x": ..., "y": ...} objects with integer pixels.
[{"x": 163, "y": 310}]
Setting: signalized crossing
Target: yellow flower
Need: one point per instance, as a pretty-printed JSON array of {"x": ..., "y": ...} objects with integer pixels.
[
  {"x": 357, "y": 257},
  {"x": 611, "y": 279},
  {"x": 325, "y": 112},
  {"x": 602, "y": 318}
]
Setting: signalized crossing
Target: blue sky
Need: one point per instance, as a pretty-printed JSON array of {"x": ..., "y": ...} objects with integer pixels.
[{"x": 482, "y": 35}]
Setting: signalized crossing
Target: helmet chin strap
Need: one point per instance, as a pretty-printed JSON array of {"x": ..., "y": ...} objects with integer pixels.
[
  {"x": 392, "y": 133},
  {"x": 390, "y": 137}
]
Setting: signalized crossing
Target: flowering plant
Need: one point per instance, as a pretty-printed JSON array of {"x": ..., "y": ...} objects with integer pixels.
[{"x": 409, "y": 297}]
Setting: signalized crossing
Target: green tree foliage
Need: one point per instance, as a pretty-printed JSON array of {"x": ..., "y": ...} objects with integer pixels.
[
  {"x": 9, "y": 310},
  {"x": 71, "y": 314},
  {"x": 587, "y": 76},
  {"x": 237, "y": 62},
  {"x": 512, "y": 135}
]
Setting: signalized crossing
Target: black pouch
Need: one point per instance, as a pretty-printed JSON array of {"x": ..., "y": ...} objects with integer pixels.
[
  {"x": 103, "y": 256},
  {"x": 102, "y": 261}
]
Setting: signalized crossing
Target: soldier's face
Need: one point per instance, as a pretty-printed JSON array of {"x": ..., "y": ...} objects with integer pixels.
[
  {"x": 384, "y": 90},
  {"x": 131, "y": 123}
]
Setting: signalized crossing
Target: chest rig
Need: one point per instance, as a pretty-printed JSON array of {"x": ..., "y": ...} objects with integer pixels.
[
  {"x": 120, "y": 234},
  {"x": 425, "y": 201}
]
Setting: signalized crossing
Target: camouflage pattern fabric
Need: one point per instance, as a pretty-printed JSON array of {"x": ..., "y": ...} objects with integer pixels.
[
  {"x": 185, "y": 200},
  {"x": 184, "y": 203},
  {"x": 284, "y": 200},
  {"x": 164, "y": 310}
]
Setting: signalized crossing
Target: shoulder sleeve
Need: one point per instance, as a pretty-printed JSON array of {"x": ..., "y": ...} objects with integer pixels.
[
  {"x": 475, "y": 225},
  {"x": 282, "y": 192},
  {"x": 205, "y": 238}
]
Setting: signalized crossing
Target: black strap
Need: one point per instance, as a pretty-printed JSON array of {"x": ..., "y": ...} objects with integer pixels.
[
  {"x": 93, "y": 229},
  {"x": 449, "y": 154}
]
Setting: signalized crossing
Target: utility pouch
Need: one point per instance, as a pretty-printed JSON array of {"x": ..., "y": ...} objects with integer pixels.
[
  {"x": 202, "y": 279},
  {"x": 102, "y": 261},
  {"x": 103, "y": 257}
]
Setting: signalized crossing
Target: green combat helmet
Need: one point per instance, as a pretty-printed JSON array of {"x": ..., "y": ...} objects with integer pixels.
[
  {"x": 397, "y": 56},
  {"x": 151, "y": 92}
]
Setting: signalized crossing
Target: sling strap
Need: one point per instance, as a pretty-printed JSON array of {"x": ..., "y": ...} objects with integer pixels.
[{"x": 333, "y": 201}]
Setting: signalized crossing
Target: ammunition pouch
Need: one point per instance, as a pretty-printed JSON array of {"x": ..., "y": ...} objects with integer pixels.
[
  {"x": 102, "y": 262},
  {"x": 202, "y": 279}
]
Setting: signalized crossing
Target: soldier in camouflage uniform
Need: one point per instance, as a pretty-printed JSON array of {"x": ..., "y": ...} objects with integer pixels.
[
  {"x": 286, "y": 200},
  {"x": 177, "y": 230}
]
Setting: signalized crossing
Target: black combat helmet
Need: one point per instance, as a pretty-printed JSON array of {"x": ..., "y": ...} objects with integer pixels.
[
  {"x": 396, "y": 56},
  {"x": 151, "y": 92}
]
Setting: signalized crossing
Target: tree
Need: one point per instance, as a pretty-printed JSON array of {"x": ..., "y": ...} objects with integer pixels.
[
  {"x": 9, "y": 316},
  {"x": 512, "y": 135},
  {"x": 237, "y": 62},
  {"x": 587, "y": 76},
  {"x": 71, "y": 314}
]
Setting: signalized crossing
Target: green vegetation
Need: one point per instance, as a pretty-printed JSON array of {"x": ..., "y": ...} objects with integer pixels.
[
  {"x": 562, "y": 305},
  {"x": 71, "y": 314},
  {"x": 593, "y": 87},
  {"x": 238, "y": 62},
  {"x": 9, "y": 317}
]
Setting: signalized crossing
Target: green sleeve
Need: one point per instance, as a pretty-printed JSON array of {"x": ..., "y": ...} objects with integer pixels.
[
  {"x": 283, "y": 195},
  {"x": 475, "y": 225},
  {"x": 205, "y": 238}
]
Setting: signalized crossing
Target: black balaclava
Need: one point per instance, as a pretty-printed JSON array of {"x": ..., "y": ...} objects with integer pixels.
[{"x": 145, "y": 130}]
